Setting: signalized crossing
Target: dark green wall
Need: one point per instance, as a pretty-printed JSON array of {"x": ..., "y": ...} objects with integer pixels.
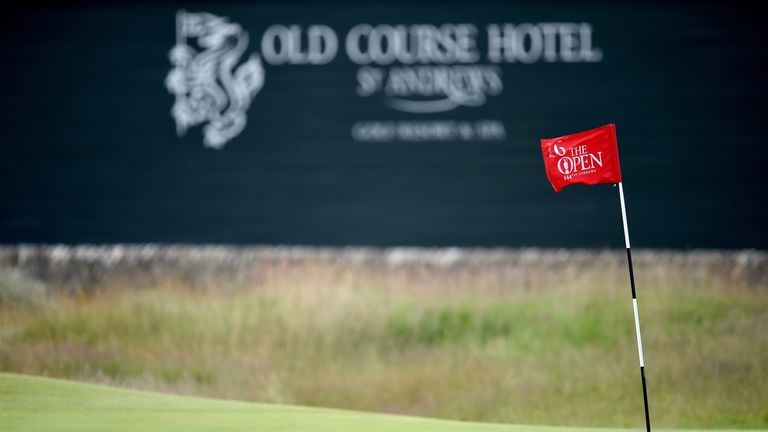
[{"x": 90, "y": 152}]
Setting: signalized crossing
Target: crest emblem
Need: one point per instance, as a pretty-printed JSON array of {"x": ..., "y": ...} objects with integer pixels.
[{"x": 211, "y": 84}]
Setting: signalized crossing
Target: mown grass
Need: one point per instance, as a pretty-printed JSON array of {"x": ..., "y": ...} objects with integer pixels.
[
  {"x": 41, "y": 404},
  {"x": 429, "y": 341}
]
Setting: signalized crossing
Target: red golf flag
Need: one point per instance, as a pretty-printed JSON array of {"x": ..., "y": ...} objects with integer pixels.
[{"x": 590, "y": 157}]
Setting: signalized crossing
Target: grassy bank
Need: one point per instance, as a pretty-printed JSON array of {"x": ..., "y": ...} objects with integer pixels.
[{"x": 439, "y": 342}]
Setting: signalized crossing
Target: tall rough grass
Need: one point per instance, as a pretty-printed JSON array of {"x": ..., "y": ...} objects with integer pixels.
[{"x": 488, "y": 340}]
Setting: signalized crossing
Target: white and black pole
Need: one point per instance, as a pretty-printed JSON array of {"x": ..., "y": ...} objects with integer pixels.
[{"x": 634, "y": 307}]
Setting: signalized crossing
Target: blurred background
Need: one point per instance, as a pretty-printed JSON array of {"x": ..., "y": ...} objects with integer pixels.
[{"x": 327, "y": 204}]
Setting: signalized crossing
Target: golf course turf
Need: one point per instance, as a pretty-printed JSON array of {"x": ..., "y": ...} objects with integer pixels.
[{"x": 43, "y": 404}]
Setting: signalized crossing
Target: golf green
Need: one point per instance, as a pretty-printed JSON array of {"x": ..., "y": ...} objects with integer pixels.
[{"x": 43, "y": 404}]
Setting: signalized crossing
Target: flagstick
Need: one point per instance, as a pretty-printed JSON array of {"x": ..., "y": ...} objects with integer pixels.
[{"x": 634, "y": 306}]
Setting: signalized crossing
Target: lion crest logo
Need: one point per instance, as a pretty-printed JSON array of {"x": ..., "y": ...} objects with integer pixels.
[{"x": 211, "y": 84}]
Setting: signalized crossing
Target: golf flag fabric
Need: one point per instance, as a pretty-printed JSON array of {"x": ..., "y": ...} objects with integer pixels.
[{"x": 590, "y": 157}]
